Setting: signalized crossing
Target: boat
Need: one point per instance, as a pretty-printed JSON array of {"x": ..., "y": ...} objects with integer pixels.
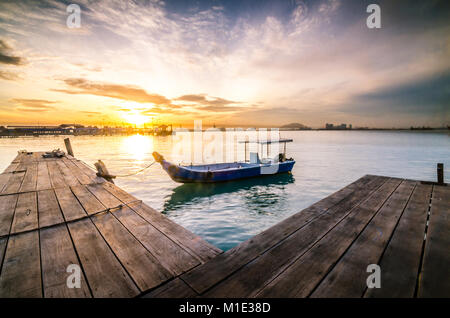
[{"x": 220, "y": 172}]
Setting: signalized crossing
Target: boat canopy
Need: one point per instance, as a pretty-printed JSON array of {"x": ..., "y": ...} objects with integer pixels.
[{"x": 265, "y": 142}]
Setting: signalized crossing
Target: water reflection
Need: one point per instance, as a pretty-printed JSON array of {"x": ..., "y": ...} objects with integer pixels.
[{"x": 257, "y": 192}]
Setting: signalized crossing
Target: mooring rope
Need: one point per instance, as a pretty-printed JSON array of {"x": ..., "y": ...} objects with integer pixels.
[
  {"x": 135, "y": 173},
  {"x": 123, "y": 175}
]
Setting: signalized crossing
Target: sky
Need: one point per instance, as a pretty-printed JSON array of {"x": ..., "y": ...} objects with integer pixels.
[{"x": 232, "y": 63}]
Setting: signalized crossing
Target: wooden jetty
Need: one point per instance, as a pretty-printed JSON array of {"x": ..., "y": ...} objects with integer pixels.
[{"x": 55, "y": 212}]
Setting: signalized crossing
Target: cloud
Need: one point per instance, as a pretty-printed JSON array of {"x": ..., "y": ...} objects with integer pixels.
[
  {"x": 123, "y": 92},
  {"x": 208, "y": 103},
  {"x": 9, "y": 76},
  {"x": 33, "y": 105},
  {"x": 422, "y": 96},
  {"x": 6, "y": 58}
]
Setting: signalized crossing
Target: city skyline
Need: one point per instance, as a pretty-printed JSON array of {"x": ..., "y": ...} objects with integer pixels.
[{"x": 232, "y": 63}]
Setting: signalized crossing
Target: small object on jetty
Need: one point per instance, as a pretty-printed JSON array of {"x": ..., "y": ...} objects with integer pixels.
[
  {"x": 57, "y": 153},
  {"x": 220, "y": 172},
  {"x": 103, "y": 172},
  {"x": 68, "y": 147}
]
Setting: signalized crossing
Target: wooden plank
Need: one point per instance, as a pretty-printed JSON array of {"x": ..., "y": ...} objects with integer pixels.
[
  {"x": 435, "y": 276},
  {"x": 56, "y": 176},
  {"x": 43, "y": 179},
  {"x": 4, "y": 179},
  {"x": 57, "y": 253},
  {"x": 14, "y": 183},
  {"x": 30, "y": 179},
  {"x": 89, "y": 202},
  {"x": 7, "y": 207},
  {"x": 401, "y": 260},
  {"x": 12, "y": 167},
  {"x": 225, "y": 264},
  {"x": 348, "y": 277},
  {"x": 88, "y": 171},
  {"x": 3, "y": 242},
  {"x": 308, "y": 270},
  {"x": 120, "y": 194},
  {"x": 69, "y": 178},
  {"x": 21, "y": 271},
  {"x": 104, "y": 273},
  {"x": 191, "y": 242},
  {"x": 176, "y": 288},
  {"x": 25, "y": 215},
  {"x": 142, "y": 266},
  {"x": 255, "y": 275},
  {"x": 77, "y": 172},
  {"x": 171, "y": 255},
  {"x": 69, "y": 204},
  {"x": 48, "y": 208},
  {"x": 105, "y": 197}
]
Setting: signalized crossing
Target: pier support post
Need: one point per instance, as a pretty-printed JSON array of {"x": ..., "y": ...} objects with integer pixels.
[
  {"x": 103, "y": 172},
  {"x": 440, "y": 173},
  {"x": 68, "y": 146}
]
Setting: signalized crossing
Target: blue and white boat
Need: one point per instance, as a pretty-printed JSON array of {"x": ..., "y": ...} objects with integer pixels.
[{"x": 220, "y": 172}]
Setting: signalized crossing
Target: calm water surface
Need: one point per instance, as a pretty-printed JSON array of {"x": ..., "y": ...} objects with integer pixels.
[{"x": 227, "y": 214}]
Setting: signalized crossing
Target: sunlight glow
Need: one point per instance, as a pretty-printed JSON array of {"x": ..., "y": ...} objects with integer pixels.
[
  {"x": 135, "y": 118},
  {"x": 138, "y": 146}
]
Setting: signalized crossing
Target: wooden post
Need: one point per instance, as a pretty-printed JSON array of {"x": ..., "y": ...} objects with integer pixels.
[
  {"x": 440, "y": 173},
  {"x": 68, "y": 147},
  {"x": 103, "y": 172}
]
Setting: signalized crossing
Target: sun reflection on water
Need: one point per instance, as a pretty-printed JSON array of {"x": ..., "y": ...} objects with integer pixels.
[{"x": 138, "y": 146}]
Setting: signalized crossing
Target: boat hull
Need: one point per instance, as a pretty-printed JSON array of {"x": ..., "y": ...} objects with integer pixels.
[{"x": 187, "y": 174}]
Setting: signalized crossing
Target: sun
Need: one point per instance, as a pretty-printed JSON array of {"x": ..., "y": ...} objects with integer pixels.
[{"x": 135, "y": 119}]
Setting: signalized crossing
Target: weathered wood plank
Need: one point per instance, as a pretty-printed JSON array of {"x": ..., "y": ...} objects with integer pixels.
[
  {"x": 348, "y": 277},
  {"x": 14, "y": 183},
  {"x": 171, "y": 255},
  {"x": 435, "y": 276},
  {"x": 25, "y": 215},
  {"x": 105, "y": 197},
  {"x": 56, "y": 176},
  {"x": 120, "y": 194},
  {"x": 48, "y": 208},
  {"x": 43, "y": 179},
  {"x": 308, "y": 270},
  {"x": 143, "y": 267},
  {"x": 104, "y": 273},
  {"x": 191, "y": 242},
  {"x": 21, "y": 272},
  {"x": 176, "y": 288},
  {"x": 89, "y": 202},
  {"x": 77, "y": 172},
  {"x": 69, "y": 204},
  {"x": 255, "y": 275},
  {"x": 68, "y": 176},
  {"x": 57, "y": 253},
  {"x": 88, "y": 171},
  {"x": 12, "y": 167},
  {"x": 30, "y": 179},
  {"x": 401, "y": 260},
  {"x": 7, "y": 207},
  {"x": 4, "y": 179},
  {"x": 225, "y": 264},
  {"x": 3, "y": 242}
]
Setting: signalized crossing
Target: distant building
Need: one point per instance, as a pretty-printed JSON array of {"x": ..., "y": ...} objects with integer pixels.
[{"x": 337, "y": 127}]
